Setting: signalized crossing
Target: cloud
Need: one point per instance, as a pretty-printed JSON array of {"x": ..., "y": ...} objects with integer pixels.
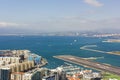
[
  {"x": 4, "y": 24},
  {"x": 66, "y": 23},
  {"x": 74, "y": 23},
  {"x": 7, "y": 24},
  {"x": 79, "y": 24},
  {"x": 93, "y": 3}
]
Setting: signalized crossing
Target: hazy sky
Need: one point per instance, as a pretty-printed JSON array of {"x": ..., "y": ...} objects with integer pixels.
[{"x": 36, "y": 16}]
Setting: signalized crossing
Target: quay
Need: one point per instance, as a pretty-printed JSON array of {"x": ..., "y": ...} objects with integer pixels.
[{"x": 88, "y": 63}]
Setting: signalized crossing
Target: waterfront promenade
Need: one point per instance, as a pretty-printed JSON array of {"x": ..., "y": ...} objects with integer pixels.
[{"x": 91, "y": 64}]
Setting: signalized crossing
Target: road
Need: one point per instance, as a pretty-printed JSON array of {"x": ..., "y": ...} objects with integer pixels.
[{"x": 91, "y": 64}]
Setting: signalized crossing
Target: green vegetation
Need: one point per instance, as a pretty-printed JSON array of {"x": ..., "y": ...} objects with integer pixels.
[{"x": 106, "y": 76}]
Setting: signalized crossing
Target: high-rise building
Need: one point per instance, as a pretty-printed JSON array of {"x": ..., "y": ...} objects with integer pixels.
[
  {"x": 4, "y": 73},
  {"x": 56, "y": 75},
  {"x": 17, "y": 76},
  {"x": 63, "y": 76},
  {"x": 32, "y": 75}
]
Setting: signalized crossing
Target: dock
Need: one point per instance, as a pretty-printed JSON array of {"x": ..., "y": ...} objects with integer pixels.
[{"x": 89, "y": 63}]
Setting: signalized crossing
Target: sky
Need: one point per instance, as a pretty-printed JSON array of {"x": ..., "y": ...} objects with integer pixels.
[{"x": 41, "y": 16}]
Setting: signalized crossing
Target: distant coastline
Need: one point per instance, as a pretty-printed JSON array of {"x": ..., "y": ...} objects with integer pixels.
[{"x": 112, "y": 40}]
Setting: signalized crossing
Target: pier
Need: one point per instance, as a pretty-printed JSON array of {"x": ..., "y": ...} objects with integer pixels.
[{"x": 88, "y": 63}]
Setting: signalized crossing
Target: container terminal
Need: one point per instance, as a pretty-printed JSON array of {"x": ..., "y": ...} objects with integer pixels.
[{"x": 89, "y": 63}]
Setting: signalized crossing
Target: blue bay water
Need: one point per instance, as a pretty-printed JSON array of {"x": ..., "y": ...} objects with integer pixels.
[{"x": 51, "y": 46}]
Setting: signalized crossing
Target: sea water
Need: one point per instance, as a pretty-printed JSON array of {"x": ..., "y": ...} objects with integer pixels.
[{"x": 49, "y": 46}]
